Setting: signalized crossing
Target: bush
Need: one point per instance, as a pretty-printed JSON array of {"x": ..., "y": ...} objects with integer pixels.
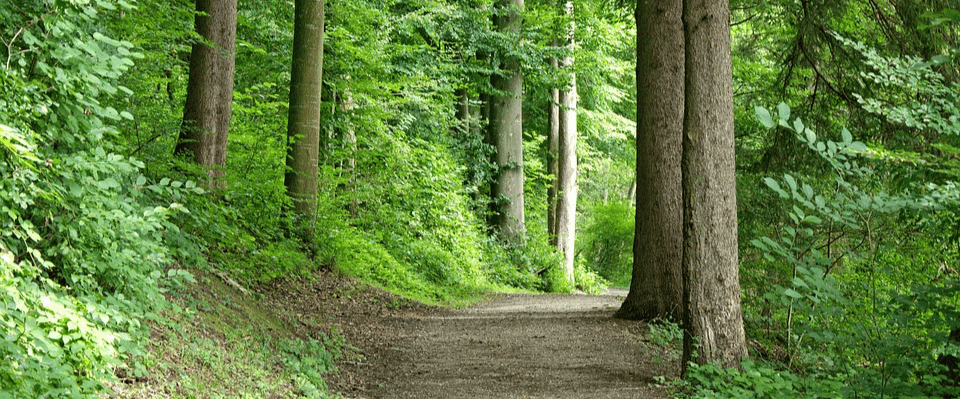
[{"x": 608, "y": 242}]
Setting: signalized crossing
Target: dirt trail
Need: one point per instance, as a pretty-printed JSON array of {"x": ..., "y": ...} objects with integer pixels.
[{"x": 513, "y": 346}]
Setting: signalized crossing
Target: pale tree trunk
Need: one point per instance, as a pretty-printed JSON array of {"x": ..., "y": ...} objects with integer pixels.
[
  {"x": 567, "y": 203},
  {"x": 553, "y": 154},
  {"x": 463, "y": 112},
  {"x": 209, "y": 104},
  {"x": 303, "y": 124},
  {"x": 713, "y": 322},
  {"x": 506, "y": 124},
  {"x": 349, "y": 165},
  {"x": 656, "y": 286}
]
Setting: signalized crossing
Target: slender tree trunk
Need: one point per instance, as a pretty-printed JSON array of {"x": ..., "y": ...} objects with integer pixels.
[
  {"x": 463, "y": 112},
  {"x": 553, "y": 154},
  {"x": 567, "y": 204},
  {"x": 713, "y": 322},
  {"x": 346, "y": 106},
  {"x": 506, "y": 124},
  {"x": 303, "y": 124},
  {"x": 656, "y": 287},
  {"x": 206, "y": 113}
]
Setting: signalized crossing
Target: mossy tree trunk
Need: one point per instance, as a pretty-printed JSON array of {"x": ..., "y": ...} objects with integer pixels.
[{"x": 303, "y": 124}]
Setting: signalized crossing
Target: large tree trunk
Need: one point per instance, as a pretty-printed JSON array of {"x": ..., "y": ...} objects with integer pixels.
[
  {"x": 656, "y": 287},
  {"x": 506, "y": 124},
  {"x": 206, "y": 113},
  {"x": 713, "y": 322},
  {"x": 553, "y": 154},
  {"x": 303, "y": 124},
  {"x": 567, "y": 203}
]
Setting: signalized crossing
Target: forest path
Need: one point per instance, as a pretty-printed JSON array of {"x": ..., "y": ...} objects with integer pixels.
[{"x": 515, "y": 346}]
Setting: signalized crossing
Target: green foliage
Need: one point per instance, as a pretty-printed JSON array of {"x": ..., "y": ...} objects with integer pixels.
[
  {"x": 607, "y": 242},
  {"x": 845, "y": 307},
  {"x": 83, "y": 246}
]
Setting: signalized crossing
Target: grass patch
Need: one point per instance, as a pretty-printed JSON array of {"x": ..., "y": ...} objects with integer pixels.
[{"x": 218, "y": 342}]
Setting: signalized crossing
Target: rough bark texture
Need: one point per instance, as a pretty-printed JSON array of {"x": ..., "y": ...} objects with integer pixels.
[
  {"x": 206, "y": 113},
  {"x": 506, "y": 124},
  {"x": 656, "y": 286},
  {"x": 553, "y": 154},
  {"x": 713, "y": 321},
  {"x": 567, "y": 202},
  {"x": 303, "y": 124}
]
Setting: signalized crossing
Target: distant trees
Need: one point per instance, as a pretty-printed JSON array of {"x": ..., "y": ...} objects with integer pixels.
[
  {"x": 206, "y": 114},
  {"x": 303, "y": 124}
]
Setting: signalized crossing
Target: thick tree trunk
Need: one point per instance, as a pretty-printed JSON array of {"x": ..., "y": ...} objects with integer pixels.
[
  {"x": 506, "y": 124},
  {"x": 303, "y": 124},
  {"x": 656, "y": 286},
  {"x": 713, "y": 322},
  {"x": 206, "y": 113},
  {"x": 567, "y": 203},
  {"x": 553, "y": 154}
]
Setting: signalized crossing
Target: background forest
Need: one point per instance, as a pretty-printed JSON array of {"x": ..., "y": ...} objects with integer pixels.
[{"x": 847, "y": 121}]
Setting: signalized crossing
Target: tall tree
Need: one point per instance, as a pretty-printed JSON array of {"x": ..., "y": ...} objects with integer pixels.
[
  {"x": 303, "y": 123},
  {"x": 567, "y": 195},
  {"x": 506, "y": 126},
  {"x": 712, "y": 318},
  {"x": 656, "y": 286},
  {"x": 206, "y": 113},
  {"x": 553, "y": 154}
]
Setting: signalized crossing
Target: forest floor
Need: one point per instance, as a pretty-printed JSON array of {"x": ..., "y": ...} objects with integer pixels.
[{"x": 508, "y": 346}]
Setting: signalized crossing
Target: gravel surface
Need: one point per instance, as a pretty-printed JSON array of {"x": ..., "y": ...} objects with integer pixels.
[{"x": 510, "y": 346}]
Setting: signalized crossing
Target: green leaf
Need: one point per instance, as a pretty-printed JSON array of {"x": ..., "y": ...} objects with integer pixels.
[
  {"x": 784, "y": 111},
  {"x": 847, "y": 137},
  {"x": 792, "y": 293},
  {"x": 811, "y": 136},
  {"x": 857, "y": 146},
  {"x": 791, "y": 182},
  {"x": 764, "y": 116},
  {"x": 772, "y": 184}
]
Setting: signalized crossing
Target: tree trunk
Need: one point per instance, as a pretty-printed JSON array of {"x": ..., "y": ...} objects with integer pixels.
[
  {"x": 303, "y": 124},
  {"x": 567, "y": 203},
  {"x": 463, "y": 112},
  {"x": 346, "y": 106},
  {"x": 209, "y": 104},
  {"x": 506, "y": 124},
  {"x": 656, "y": 286},
  {"x": 553, "y": 154},
  {"x": 713, "y": 322}
]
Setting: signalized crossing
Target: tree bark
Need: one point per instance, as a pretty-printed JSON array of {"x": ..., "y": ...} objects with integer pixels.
[
  {"x": 507, "y": 129},
  {"x": 209, "y": 103},
  {"x": 567, "y": 203},
  {"x": 712, "y": 321},
  {"x": 553, "y": 154},
  {"x": 303, "y": 124},
  {"x": 656, "y": 287}
]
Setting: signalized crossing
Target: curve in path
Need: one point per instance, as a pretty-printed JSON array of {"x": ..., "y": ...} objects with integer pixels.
[{"x": 520, "y": 346}]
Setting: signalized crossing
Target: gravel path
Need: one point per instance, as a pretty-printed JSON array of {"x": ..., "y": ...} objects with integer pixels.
[{"x": 516, "y": 346}]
